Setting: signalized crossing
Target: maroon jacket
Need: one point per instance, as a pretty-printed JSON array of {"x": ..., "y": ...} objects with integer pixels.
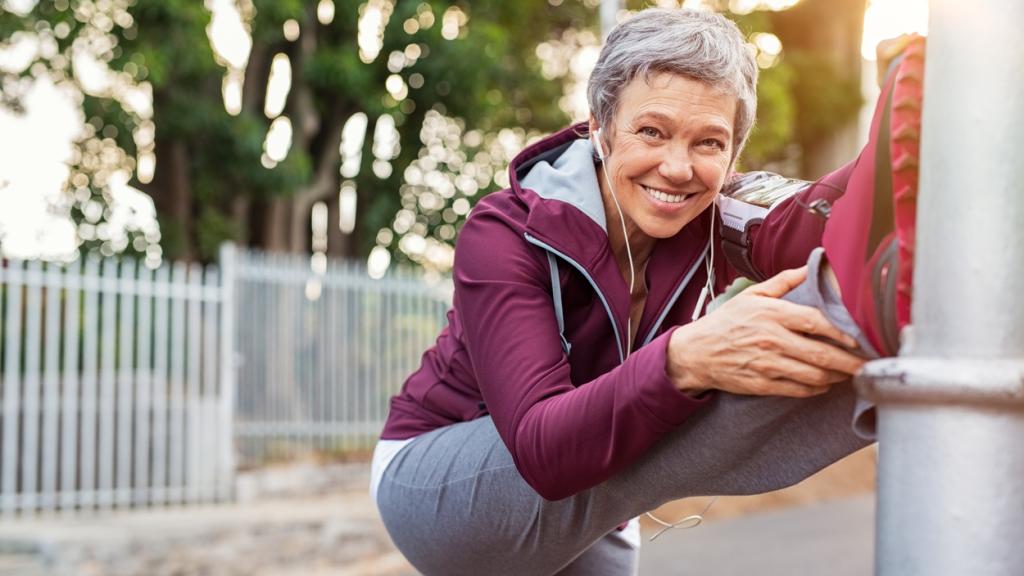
[{"x": 573, "y": 421}]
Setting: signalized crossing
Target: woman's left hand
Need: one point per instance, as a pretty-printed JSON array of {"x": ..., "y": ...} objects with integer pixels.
[{"x": 759, "y": 344}]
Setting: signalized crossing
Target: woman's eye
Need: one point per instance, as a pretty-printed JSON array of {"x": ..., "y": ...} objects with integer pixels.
[
  {"x": 650, "y": 132},
  {"x": 714, "y": 143}
]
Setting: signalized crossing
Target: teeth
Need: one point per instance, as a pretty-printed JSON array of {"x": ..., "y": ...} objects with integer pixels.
[{"x": 670, "y": 198}]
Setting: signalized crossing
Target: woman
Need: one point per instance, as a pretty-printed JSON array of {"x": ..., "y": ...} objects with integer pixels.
[{"x": 577, "y": 384}]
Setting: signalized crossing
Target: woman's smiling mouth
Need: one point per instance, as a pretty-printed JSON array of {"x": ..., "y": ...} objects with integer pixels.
[{"x": 664, "y": 197}]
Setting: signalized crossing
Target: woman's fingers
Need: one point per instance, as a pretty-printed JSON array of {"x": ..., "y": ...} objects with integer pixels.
[
  {"x": 811, "y": 321},
  {"x": 779, "y": 285},
  {"x": 796, "y": 370},
  {"x": 823, "y": 355},
  {"x": 785, "y": 387}
]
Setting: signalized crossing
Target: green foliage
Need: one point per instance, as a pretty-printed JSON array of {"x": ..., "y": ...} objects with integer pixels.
[
  {"x": 214, "y": 228},
  {"x": 338, "y": 70},
  {"x": 489, "y": 78},
  {"x": 774, "y": 130},
  {"x": 824, "y": 97}
]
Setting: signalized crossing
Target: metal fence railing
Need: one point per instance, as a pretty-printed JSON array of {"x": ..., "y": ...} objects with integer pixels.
[
  {"x": 109, "y": 384},
  {"x": 320, "y": 353},
  {"x": 122, "y": 386}
]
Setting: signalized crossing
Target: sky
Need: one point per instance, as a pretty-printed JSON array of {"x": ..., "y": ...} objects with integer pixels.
[{"x": 37, "y": 145}]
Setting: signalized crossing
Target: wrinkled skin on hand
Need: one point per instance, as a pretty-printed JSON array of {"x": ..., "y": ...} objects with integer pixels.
[{"x": 757, "y": 344}]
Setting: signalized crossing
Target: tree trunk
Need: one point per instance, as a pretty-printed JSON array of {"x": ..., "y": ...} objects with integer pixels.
[
  {"x": 241, "y": 208},
  {"x": 275, "y": 225},
  {"x": 171, "y": 191}
]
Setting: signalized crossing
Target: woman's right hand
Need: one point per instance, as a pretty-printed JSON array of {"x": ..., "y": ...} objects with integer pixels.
[{"x": 758, "y": 344}]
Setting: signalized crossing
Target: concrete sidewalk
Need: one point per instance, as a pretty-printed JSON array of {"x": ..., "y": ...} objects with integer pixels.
[
  {"x": 339, "y": 535},
  {"x": 834, "y": 538},
  {"x": 310, "y": 520},
  {"x": 301, "y": 520}
]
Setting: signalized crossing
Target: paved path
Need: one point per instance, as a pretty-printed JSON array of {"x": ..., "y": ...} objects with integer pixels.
[
  {"x": 834, "y": 538},
  {"x": 324, "y": 530},
  {"x": 329, "y": 528}
]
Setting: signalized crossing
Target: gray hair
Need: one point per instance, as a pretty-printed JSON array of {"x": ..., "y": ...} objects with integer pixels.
[{"x": 700, "y": 45}]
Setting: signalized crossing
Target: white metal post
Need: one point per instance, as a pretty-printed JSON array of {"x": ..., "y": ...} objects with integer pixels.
[
  {"x": 951, "y": 416},
  {"x": 226, "y": 473}
]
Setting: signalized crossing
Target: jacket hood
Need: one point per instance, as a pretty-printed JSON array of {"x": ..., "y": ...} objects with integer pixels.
[
  {"x": 556, "y": 179},
  {"x": 569, "y": 177},
  {"x": 567, "y": 173}
]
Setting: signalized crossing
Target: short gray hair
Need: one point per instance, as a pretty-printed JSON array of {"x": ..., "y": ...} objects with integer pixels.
[{"x": 697, "y": 44}]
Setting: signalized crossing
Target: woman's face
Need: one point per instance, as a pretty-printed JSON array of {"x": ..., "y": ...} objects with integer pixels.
[{"x": 668, "y": 151}]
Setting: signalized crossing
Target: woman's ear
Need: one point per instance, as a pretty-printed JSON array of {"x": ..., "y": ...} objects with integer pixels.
[{"x": 595, "y": 138}]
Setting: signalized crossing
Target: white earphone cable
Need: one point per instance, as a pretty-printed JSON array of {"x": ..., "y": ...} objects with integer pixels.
[
  {"x": 707, "y": 293},
  {"x": 694, "y": 520},
  {"x": 625, "y": 235}
]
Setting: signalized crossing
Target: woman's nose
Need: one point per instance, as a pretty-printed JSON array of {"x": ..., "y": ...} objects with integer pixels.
[{"x": 676, "y": 166}]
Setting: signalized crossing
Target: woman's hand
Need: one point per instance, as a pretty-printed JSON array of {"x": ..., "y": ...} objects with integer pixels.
[{"x": 757, "y": 344}]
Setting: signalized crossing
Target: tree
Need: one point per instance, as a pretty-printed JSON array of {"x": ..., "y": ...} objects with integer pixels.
[
  {"x": 427, "y": 101},
  {"x": 823, "y": 40},
  {"x": 213, "y": 180}
]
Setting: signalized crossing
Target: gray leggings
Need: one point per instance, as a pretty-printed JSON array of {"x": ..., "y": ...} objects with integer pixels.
[{"x": 454, "y": 503}]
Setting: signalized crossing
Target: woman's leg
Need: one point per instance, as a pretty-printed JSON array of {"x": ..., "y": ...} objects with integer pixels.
[
  {"x": 617, "y": 554},
  {"x": 454, "y": 502}
]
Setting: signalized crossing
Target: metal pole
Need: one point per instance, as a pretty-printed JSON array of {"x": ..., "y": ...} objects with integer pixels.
[
  {"x": 951, "y": 407},
  {"x": 609, "y": 11}
]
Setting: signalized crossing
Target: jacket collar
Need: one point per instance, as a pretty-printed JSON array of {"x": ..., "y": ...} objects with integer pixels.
[{"x": 568, "y": 215}]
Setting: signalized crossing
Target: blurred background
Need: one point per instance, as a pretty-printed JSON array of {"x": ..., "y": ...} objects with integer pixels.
[
  {"x": 161, "y": 128},
  {"x": 225, "y": 233}
]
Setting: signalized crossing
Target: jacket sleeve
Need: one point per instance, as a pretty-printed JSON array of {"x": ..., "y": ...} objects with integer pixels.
[
  {"x": 563, "y": 438},
  {"x": 791, "y": 230}
]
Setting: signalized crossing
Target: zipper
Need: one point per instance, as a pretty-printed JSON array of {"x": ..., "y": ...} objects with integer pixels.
[
  {"x": 675, "y": 296},
  {"x": 604, "y": 301},
  {"x": 593, "y": 284}
]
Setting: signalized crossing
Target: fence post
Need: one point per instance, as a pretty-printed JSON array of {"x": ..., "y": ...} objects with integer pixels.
[{"x": 228, "y": 256}]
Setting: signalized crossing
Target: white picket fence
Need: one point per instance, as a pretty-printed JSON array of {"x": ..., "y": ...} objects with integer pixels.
[
  {"x": 122, "y": 386},
  {"x": 111, "y": 386}
]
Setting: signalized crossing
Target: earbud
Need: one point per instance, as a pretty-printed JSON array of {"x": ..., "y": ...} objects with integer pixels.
[{"x": 598, "y": 147}]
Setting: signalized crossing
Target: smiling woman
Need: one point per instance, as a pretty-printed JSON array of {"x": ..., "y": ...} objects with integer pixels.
[{"x": 579, "y": 382}]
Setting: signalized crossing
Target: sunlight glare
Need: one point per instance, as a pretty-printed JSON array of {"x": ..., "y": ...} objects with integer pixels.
[
  {"x": 279, "y": 139},
  {"x": 885, "y": 19},
  {"x": 231, "y": 90},
  {"x": 18, "y": 7},
  {"x": 20, "y": 51},
  {"x": 146, "y": 167},
  {"x": 29, "y": 227},
  {"x": 291, "y": 30},
  {"x": 228, "y": 34},
  {"x": 748, "y": 6},
  {"x": 325, "y": 12},
  {"x": 378, "y": 262},
  {"x": 347, "y": 207},
  {"x": 373, "y": 19},
  {"x": 278, "y": 85},
  {"x": 351, "y": 149}
]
